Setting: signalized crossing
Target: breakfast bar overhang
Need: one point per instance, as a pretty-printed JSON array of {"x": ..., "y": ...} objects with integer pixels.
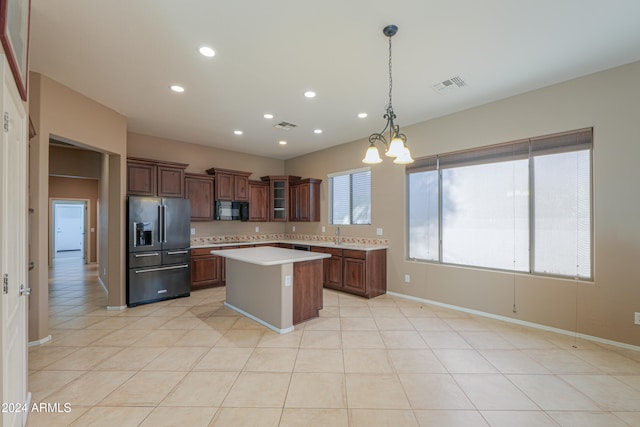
[{"x": 276, "y": 287}]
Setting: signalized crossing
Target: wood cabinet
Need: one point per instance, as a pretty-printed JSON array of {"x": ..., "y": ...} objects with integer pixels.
[
  {"x": 307, "y": 290},
  {"x": 146, "y": 177},
  {"x": 278, "y": 196},
  {"x": 258, "y": 201},
  {"x": 206, "y": 269},
  {"x": 231, "y": 185},
  {"x": 304, "y": 200},
  {"x": 357, "y": 272},
  {"x": 199, "y": 189}
]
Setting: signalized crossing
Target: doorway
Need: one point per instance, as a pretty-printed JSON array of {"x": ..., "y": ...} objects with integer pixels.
[{"x": 69, "y": 230}]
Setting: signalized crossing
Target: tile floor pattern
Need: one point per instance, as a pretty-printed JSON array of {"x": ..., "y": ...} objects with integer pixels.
[{"x": 386, "y": 361}]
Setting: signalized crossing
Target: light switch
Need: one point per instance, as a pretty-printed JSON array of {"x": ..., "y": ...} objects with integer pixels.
[
  {"x": 257, "y": 229},
  {"x": 287, "y": 280},
  {"x": 293, "y": 228},
  {"x": 323, "y": 229},
  {"x": 193, "y": 231},
  {"x": 379, "y": 231}
]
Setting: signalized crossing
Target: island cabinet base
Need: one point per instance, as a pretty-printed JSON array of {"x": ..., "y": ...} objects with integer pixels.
[{"x": 276, "y": 296}]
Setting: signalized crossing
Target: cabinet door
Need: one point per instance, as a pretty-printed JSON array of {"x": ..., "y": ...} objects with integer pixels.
[
  {"x": 141, "y": 179},
  {"x": 241, "y": 188},
  {"x": 354, "y": 275},
  {"x": 303, "y": 202},
  {"x": 333, "y": 272},
  {"x": 294, "y": 202},
  {"x": 224, "y": 186},
  {"x": 279, "y": 194},
  {"x": 199, "y": 191},
  {"x": 170, "y": 181},
  {"x": 258, "y": 202},
  {"x": 205, "y": 271}
]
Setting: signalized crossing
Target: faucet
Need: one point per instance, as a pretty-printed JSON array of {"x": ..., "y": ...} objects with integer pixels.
[{"x": 339, "y": 240}]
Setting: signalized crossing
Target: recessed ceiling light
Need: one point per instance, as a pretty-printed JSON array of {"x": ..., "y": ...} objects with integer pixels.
[
  {"x": 268, "y": 116},
  {"x": 207, "y": 51},
  {"x": 282, "y": 142},
  {"x": 177, "y": 88},
  {"x": 318, "y": 131},
  {"x": 310, "y": 94},
  {"x": 238, "y": 132},
  {"x": 362, "y": 115}
]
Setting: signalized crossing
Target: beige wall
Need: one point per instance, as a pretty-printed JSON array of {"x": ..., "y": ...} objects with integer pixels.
[
  {"x": 61, "y": 188},
  {"x": 200, "y": 158},
  {"x": 63, "y": 114},
  {"x": 608, "y": 101},
  {"x": 74, "y": 162}
]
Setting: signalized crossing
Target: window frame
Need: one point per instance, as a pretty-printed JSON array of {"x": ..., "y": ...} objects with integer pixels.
[
  {"x": 536, "y": 146},
  {"x": 350, "y": 173}
]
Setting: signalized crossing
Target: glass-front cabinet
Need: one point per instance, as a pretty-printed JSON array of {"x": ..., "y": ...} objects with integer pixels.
[{"x": 279, "y": 196}]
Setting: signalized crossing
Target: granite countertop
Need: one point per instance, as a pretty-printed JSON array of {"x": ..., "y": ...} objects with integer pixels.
[
  {"x": 356, "y": 246},
  {"x": 267, "y": 255}
]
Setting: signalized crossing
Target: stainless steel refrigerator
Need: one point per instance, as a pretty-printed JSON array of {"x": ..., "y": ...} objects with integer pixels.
[{"x": 158, "y": 249}]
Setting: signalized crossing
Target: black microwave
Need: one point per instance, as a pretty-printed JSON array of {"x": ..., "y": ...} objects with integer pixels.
[{"x": 228, "y": 211}]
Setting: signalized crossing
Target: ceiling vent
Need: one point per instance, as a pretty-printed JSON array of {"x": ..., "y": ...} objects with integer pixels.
[
  {"x": 285, "y": 126},
  {"x": 450, "y": 85}
]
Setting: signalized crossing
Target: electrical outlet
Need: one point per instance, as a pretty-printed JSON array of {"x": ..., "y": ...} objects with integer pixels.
[
  {"x": 193, "y": 231},
  {"x": 407, "y": 278},
  {"x": 379, "y": 231},
  {"x": 637, "y": 318},
  {"x": 293, "y": 228},
  {"x": 287, "y": 280},
  {"x": 324, "y": 229},
  {"x": 257, "y": 229}
]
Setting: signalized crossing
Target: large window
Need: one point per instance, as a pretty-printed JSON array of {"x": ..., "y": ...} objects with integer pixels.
[
  {"x": 522, "y": 206},
  {"x": 350, "y": 197}
]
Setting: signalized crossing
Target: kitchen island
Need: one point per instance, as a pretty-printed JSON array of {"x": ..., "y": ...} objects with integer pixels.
[{"x": 276, "y": 287}]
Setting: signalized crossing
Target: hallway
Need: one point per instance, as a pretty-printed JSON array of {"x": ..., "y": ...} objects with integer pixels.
[{"x": 385, "y": 361}]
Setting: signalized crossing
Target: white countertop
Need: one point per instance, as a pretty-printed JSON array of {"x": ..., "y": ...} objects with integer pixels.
[{"x": 267, "y": 255}]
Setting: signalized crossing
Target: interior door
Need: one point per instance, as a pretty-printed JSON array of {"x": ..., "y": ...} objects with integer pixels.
[
  {"x": 13, "y": 257},
  {"x": 69, "y": 224}
]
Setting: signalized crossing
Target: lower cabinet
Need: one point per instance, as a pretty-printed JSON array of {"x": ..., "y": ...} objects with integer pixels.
[
  {"x": 206, "y": 271},
  {"x": 362, "y": 273}
]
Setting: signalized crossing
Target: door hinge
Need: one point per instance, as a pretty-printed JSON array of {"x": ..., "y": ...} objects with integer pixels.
[
  {"x": 5, "y": 283},
  {"x": 6, "y": 121}
]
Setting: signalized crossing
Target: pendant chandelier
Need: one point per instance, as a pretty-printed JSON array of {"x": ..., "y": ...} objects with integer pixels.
[{"x": 396, "y": 146}]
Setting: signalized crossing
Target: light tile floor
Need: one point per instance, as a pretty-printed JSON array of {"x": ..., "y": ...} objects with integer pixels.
[{"x": 386, "y": 361}]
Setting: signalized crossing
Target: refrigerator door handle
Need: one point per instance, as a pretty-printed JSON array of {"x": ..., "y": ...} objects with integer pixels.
[
  {"x": 164, "y": 222},
  {"x": 149, "y": 270},
  {"x": 160, "y": 223},
  {"x": 133, "y": 234},
  {"x": 177, "y": 252}
]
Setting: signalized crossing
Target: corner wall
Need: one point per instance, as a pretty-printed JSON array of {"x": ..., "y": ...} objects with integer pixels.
[
  {"x": 60, "y": 112},
  {"x": 610, "y": 102}
]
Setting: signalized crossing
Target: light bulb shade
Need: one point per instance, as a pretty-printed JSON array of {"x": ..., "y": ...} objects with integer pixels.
[
  {"x": 405, "y": 157},
  {"x": 372, "y": 156},
  {"x": 395, "y": 148}
]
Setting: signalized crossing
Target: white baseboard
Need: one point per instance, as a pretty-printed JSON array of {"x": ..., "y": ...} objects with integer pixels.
[
  {"x": 40, "y": 342},
  {"x": 519, "y": 322}
]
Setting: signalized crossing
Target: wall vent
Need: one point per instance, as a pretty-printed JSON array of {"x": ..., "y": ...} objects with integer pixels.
[
  {"x": 285, "y": 126},
  {"x": 449, "y": 85}
]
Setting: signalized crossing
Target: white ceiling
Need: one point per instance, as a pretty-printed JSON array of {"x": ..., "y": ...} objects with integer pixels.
[{"x": 125, "y": 54}]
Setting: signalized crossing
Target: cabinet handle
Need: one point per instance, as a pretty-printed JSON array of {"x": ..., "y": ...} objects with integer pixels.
[{"x": 176, "y": 252}]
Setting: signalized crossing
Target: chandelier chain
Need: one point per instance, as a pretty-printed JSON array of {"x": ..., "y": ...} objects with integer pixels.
[{"x": 390, "y": 75}]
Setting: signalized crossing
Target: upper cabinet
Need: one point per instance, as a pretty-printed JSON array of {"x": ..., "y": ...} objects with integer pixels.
[
  {"x": 278, "y": 196},
  {"x": 147, "y": 177},
  {"x": 199, "y": 189},
  {"x": 258, "y": 201},
  {"x": 304, "y": 200},
  {"x": 231, "y": 185}
]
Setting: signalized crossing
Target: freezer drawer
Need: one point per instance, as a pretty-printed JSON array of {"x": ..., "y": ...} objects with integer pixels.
[
  {"x": 157, "y": 283},
  {"x": 145, "y": 259},
  {"x": 175, "y": 256}
]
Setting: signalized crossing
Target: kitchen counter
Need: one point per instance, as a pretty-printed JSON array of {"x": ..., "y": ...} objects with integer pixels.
[
  {"x": 355, "y": 246},
  {"x": 276, "y": 287},
  {"x": 266, "y": 255}
]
